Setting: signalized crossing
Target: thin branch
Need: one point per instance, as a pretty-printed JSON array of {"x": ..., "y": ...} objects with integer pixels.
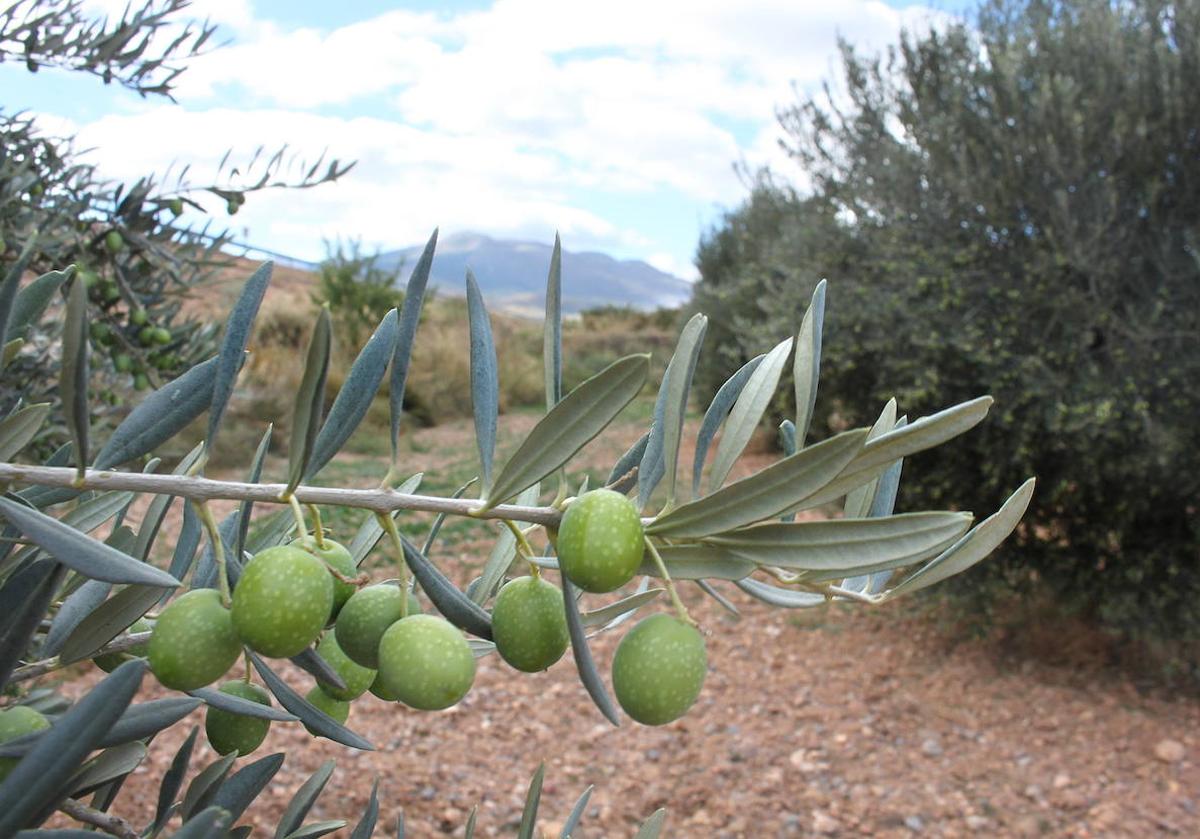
[
  {"x": 113, "y": 825},
  {"x": 47, "y": 665},
  {"x": 205, "y": 489}
]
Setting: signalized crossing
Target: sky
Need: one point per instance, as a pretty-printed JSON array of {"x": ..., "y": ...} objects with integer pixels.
[{"x": 617, "y": 124}]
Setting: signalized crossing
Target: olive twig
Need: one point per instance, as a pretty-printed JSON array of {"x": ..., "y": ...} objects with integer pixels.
[
  {"x": 523, "y": 547},
  {"x": 297, "y": 514},
  {"x": 389, "y": 526},
  {"x": 318, "y": 530},
  {"x": 680, "y": 609},
  {"x": 218, "y": 546}
]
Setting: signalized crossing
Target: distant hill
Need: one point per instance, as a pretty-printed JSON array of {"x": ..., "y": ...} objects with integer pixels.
[{"x": 512, "y": 275}]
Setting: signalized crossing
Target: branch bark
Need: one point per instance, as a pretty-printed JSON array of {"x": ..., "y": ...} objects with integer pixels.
[
  {"x": 206, "y": 489},
  {"x": 113, "y": 825}
]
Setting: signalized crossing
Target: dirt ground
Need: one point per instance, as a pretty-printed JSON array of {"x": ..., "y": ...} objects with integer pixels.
[{"x": 839, "y": 722}]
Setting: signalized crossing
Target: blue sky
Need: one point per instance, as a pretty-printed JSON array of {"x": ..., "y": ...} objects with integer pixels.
[{"x": 616, "y": 123}]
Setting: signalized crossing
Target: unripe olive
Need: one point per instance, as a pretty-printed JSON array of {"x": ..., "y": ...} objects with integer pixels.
[
  {"x": 17, "y": 722},
  {"x": 110, "y": 661},
  {"x": 426, "y": 662},
  {"x": 357, "y": 678},
  {"x": 231, "y": 207},
  {"x": 111, "y": 292},
  {"x": 600, "y": 541},
  {"x": 138, "y": 317},
  {"x": 339, "y": 709},
  {"x": 529, "y": 625},
  {"x": 658, "y": 669},
  {"x": 161, "y": 335},
  {"x": 379, "y": 689},
  {"x": 123, "y": 363},
  {"x": 140, "y": 382},
  {"x": 337, "y": 557},
  {"x": 114, "y": 241},
  {"x": 229, "y": 732},
  {"x": 365, "y": 617},
  {"x": 193, "y": 643},
  {"x": 176, "y": 206},
  {"x": 37, "y": 190},
  {"x": 282, "y": 601}
]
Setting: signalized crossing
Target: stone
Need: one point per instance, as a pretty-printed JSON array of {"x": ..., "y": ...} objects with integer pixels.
[{"x": 1169, "y": 751}]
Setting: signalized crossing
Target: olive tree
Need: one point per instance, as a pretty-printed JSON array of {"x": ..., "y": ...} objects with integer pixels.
[{"x": 567, "y": 558}]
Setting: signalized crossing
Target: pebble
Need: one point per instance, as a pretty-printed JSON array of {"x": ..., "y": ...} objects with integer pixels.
[
  {"x": 1169, "y": 751},
  {"x": 914, "y": 823},
  {"x": 824, "y": 823},
  {"x": 978, "y": 823},
  {"x": 1062, "y": 779},
  {"x": 931, "y": 748}
]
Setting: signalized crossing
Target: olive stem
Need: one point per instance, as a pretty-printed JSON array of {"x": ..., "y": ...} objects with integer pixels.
[
  {"x": 318, "y": 531},
  {"x": 523, "y": 547},
  {"x": 214, "y": 536},
  {"x": 249, "y": 666},
  {"x": 680, "y": 609},
  {"x": 389, "y": 526},
  {"x": 298, "y": 515}
]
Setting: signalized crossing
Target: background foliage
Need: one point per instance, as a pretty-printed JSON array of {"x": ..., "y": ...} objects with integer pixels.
[{"x": 1008, "y": 207}]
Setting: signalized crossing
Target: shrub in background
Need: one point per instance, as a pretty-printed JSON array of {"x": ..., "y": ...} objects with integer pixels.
[{"x": 1009, "y": 206}]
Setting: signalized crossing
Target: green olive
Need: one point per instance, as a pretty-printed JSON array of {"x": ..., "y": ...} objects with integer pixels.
[
  {"x": 659, "y": 669},
  {"x": 339, "y": 709},
  {"x": 365, "y": 617},
  {"x": 600, "y": 541},
  {"x": 114, "y": 241},
  {"x": 426, "y": 662},
  {"x": 230, "y": 732},
  {"x": 17, "y": 722},
  {"x": 529, "y": 625},
  {"x": 337, "y": 557},
  {"x": 193, "y": 643},
  {"x": 357, "y": 678},
  {"x": 282, "y": 601}
]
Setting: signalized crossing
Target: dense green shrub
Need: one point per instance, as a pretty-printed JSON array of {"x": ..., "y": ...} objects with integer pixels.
[{"x": 1010, "y": 206}]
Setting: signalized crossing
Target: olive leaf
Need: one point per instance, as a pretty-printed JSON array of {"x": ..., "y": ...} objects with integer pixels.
[
  {"x": 303, "y": 800},
  {"x": 204, "y": 786},
  {"x": 781, "y": 597},
  {"x": 20, "y": 427},
  {"x": 24, "y": 597},
  {"x": 764, "y": 494},
  {"x": 552, "y": 328},
  {"x": 314, "y": 718},
  {"x": 358, "y": 391},
  {"x": 366, "y": 824},
  {"x": 172, "y": 781},
  {"x": 626, "y": 463},
  {"x": 717, "y": 411},
  {"x": 806, "y": 368},
  {"x": 973, "y": 547},
  {"x": 652, "y": 827},
  {"x": 699, "y": 562},
  {"x": 721, "y": 599},
  {"x": 31, "y": 303},
  {"x": 501, "y": 557},
  {"x": 108, "y": 620},
  {"x": 246, "y": 508},
  {"x": 73, "y": 610},
  {"x": 533, "y": 799},
  {"x": 678, "y": 383},
  {"x": 624, "y": 606},
  {"x": 588, "y": 674},
  {"x": 858, "y": 501},
  {"x": 838, "y": 548},
  {"x": 436, "y": 527},
  {"x": 37, "y": 781},
  {"x": 580, "y": 416},
  {"x": 110, "y": 765},
  {"x": 310, "y": 399},
  {"x": 73, "y": 376},
  {"x": 576, "y": 815},
  {"x": 455, "y": 606},
  {"x": 157, "y": 511},
  {"x": 410, "y": 317},
  {"x": 209, "y": 822},
  {"x": 236, "y": 705},
  {"x": 12, "y": 281},
  {"x": 233, "y": 348},
  {"x": 236, "y": 794},
  {"x": 902, "y": 441},
  {"x": 79, "y": 553},
  {"x": 485, "y": 383},
  {"x": 747, "y": 412},
  {"x": 160, "y": 416}
]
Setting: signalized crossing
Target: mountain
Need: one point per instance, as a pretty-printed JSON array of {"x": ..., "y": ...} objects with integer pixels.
[{"x": 512, "y": 275}]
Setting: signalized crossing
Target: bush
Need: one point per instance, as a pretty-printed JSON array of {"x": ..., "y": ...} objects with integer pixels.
[
  {"x": 1007, "y": 208},
  {"x": 70, "y": 597}
]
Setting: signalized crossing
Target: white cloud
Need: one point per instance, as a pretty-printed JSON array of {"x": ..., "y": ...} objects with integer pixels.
[{"x": 503, "y": 120}]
